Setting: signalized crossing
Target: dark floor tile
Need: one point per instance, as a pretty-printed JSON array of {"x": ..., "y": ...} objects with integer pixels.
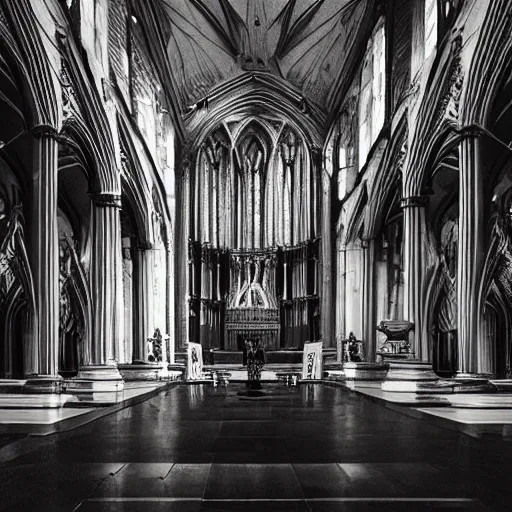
[
  {"x": 362, "y": 480},
  {"x": 249, "y": 428},
  {"x": 255, "y": 506},
  {"x": 140, "y": 506},
  {"x": 394, "y": 506},
  {"x": 420, "y": 480},
  {"x": 234, "y": 457},
  {"x": 249, "y": 444},
  {"x": 187, "y": 480},
  {"x": 321, "y": 480},
  {"x": 252, "y": 481},
  {"x": 137, "y": 480}
]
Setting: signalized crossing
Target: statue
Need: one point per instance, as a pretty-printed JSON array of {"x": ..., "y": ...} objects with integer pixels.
[
  {"x": 155, "y": 347},
  {"x": 255, "y": 359},
  {"x": 353, "y": 352}
]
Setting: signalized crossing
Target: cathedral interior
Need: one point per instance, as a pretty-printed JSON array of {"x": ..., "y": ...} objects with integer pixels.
[{"x": 255, "y": 255}]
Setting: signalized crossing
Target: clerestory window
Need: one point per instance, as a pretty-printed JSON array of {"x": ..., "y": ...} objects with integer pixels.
[{"x": 373, "y": 90}]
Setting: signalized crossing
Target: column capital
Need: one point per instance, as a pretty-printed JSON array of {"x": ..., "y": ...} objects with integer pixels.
[
  {"x": 414, "y": 202},
  {"x": 145, "y": 245},
  {"x": 45, "y": 130},
  {"x": 106, "y": 200}
]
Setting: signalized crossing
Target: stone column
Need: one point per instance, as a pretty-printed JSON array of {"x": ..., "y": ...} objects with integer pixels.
[
  {"x": 369, "y": 300},
  {"x": 354, "y": 278},
  {"x": 106, "y": 241},
  {"x": 340, "y": 302},
  {"x": 42, "y": 352},
  {"x": 183, "y": 269},
  {"x": 414, "y": 267},
  {"x": 171, "y": 307},
  {"x": 470, "y": 255},
  {"x": 144, "y": 300},
  {"x": 327, "y": 312}
]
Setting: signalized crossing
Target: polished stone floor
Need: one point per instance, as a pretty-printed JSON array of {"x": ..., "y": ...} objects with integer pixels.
[{"x": 311, "y": 448}]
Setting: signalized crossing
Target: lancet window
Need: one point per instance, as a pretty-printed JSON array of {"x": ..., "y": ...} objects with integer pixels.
[
  {"x": 373, "y": 89},
  {"x": 256, "y": 192}
]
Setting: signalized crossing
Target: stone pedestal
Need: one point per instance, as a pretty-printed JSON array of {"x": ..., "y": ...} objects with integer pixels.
[
  {"x": 144, "y": 371},
  {"x": 96, "y": 378},
  {"x": 43, "y": 384},
  {"x": 407, "y": 375},
  {"x": 359, "y": 374},
  {"x": 458, "y": 386}
]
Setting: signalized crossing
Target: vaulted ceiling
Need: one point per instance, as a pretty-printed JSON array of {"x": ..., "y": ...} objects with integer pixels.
[{"x": 304, "y": 42}]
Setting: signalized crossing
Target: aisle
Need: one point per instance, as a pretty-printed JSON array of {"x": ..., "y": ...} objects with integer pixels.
[{"x": 199, "y": 448}]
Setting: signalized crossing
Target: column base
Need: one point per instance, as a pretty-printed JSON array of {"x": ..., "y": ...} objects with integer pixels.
[
  {"x": 408, "y": 375},
  {"x": 469, "y": 383},
  {"x": 43, "y": 384},
  {"x": 91, "y": 378},
  {"x": 359, "y": 374},
  {"x": 143, "y": 371}
]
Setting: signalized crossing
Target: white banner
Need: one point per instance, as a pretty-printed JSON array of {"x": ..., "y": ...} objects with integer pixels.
[
  {"x": 312, "y": 361},
  {"x": 194, "y": 361}
]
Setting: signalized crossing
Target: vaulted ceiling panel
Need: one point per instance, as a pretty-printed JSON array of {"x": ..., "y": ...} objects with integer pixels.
[{"x": 304, "y": 42}]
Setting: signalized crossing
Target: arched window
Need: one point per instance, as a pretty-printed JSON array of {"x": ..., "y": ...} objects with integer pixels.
[
  {"x": 430, "y": 27},
  {"x": 372, "y": 99}
]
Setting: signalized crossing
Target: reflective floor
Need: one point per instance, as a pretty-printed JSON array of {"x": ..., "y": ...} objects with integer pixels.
[{"x": 194, "y": 447}]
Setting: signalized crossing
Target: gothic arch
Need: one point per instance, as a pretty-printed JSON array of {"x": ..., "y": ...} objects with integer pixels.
[
  {"x": 19, "y": 35},
  {"x": 262, "y": 94}
]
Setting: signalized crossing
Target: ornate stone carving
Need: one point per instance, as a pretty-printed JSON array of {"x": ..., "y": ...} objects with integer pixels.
[
  {"x": 45, "y": 130},
  {"x": 68, "y": 92},
  {"x": 451, "y": 100},
  {"x": 414, "y": 202},
  {"x": 14, "y": 265},
  {"x": 107, "y": 200},
  {"x": 449, "y": 250}
]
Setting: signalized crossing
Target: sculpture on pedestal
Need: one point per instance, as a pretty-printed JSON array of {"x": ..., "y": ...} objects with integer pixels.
[
  {"x": 397, "y": 344},
  {"x": 353, "y": 349},
  {"x": 255, "y": 359},
  {"x": 155, "y": 347}
]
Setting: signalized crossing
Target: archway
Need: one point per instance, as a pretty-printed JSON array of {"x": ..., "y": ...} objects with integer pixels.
[{"x": 254, "y": 236}]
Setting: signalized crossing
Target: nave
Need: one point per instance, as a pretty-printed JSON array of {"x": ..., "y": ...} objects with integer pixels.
[{"x": 307, "y": 448}]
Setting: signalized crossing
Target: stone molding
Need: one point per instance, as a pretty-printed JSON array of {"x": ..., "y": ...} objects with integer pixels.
[
  {"x": 45, "y": 130},
  {"x": 106, "y": 200},
  {"x": 414, "y": 202}
]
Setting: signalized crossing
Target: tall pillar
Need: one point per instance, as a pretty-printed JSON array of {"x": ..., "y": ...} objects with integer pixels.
[
  {"x": 470, "y": 255},
  {"x": 144, "y": 299},
  {"x": 171, "y": 322},
  {"x": 42, "y": 354},
  {"x": 414, "y": 267},
  {"x": 327, "y": 317},
  {"x": 184, "y": 271},
  {"x": 369, "y": 305},
  {"x": 106, "y": 240},
  {"x": 354, "y": 278},
  {"x": 340, "y": 299}
]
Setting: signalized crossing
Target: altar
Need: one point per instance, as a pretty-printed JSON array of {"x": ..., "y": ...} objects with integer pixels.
[
  {"x": 254, "y": 324},
  {"x": 252, "y": 311}
]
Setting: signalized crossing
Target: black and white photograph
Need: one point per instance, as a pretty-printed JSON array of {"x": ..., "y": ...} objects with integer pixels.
[{"x": 255, "y": 255}]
